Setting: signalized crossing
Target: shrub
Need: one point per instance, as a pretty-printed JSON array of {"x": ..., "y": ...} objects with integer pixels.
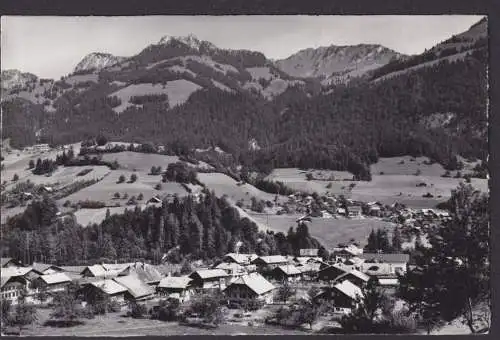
[
  {"x": 428, "y": 195},
  {"x": 133, "y": 178},
  {"x": 15, "y": 178},
  {"x": 158, "y": 186},
  {"x": 67, "y": 204},
  {"x": 138, "y": 310},
  {"x": 309, "y": 176},
  {"x": 140, "y": 197},
  {"x": 121, "y": 179},
  {"x": 116, "y": 195}
]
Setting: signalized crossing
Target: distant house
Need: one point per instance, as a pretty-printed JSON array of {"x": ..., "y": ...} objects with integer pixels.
[
  {"x": 45, "y": 268},
  {"x": 100, "y": 271},
  {"x": 354, "y": 211},
  {"x": 313, "y": 252},
  {"x": 355, "y": 276},
  {"x": 136, "y": 289},
  {"x": 347, "y": 252},
  {"x": 384, "y": 264},
  {"x": 7, "y": 262},
  {"x": 268, "y": 263},
  {"x": 286, "y": 273},
  {"x": 11, "y": 287},
  {"x": 309, "y": 270},
  {"x": 250, "y": 287},
  {"x": 209, "y": 278},
  {"x": 145, "y": 272},
  {"x": 344, "y": 295},
  {"x": 41, "y": 147},
  {"x": 375, "y": 209},
  {"x": 47, "y": 189},
  {"x": 232, "y": 269},
  {"x": 176, "y": 287},
  {"x": 331, "y": 273},
  {"x": 110, "y": 288},
  {"x": 341, "y": 212},
  {"x": 242, "y": 259}
]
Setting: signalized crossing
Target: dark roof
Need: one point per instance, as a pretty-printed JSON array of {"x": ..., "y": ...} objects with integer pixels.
[
  {"x": 7, "y": 260},
  {"x": 387, "y": 258}
]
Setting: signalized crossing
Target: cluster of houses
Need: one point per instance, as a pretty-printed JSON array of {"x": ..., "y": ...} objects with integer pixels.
[{"x": 240, "y": 277}]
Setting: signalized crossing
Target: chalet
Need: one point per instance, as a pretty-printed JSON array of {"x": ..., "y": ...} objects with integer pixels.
[
  {"x": 241, "y": 259},
  {"x": 7, "y": 262},
  {"x": 384, "y": 264},
  {"x": 52, "y": 283},
  {"x": 100, "y": 271},
  {"x": 354, "y": 276},
  {"x": 145, "y": 272},
  {"x": 375, "y": 209},
  {"x": 344, "y": 295},
  {"x": 309, "y": 271},
  {"x": 331, "y": 273},
  {"x": 286, "y": 273},
  {"x": 110, "y": 288},
  {"x": 347, "y": 252},
  {"x": 232, "y": 269},
  {"x": 137, "y": 290},
  {"x": 209, "y": 278},
  {"x": 354, "y": 211},
  {"x": 45, "y": 268},
  {"x": 268, "y": 263},
  {"x": 175, "y": 287},
  {"x": 250, "y": 287},
  {"x": 12, "y": 287}
]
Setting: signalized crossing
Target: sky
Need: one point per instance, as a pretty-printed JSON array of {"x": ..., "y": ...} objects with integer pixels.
[{"x": 50, "y": 47}]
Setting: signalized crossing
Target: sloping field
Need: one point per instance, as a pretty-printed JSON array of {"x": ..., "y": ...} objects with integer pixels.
[
  {"x": 105, "y": 189},
  {"x": 328, "y": 231},
  {"x": 144, "y": 161},
  {"x": 296, "y": 179},
  {"x": 225, "y": 185},
  {"x": 403, "y": 189},
  {"x": 206, "y": 60},
  {"x": 178, "y": 91},
  {"x": 90, "y": 216},
  {"x": 278, "y": 86}
]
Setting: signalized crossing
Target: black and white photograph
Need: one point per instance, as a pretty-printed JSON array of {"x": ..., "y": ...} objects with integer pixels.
[{"x": 244, "y": 175}]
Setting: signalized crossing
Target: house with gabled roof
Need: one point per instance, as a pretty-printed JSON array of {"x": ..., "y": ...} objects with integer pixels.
[
  {"x": 331, "y": 273},
  {"x": 46, "y": 268},
  {"x": 137, "y": 289},
  {"x": 250, "y": 287},
  {"x": 268, "y": 263},
  {"x": 242, "y": 259},
  {"x": 209, "y": 278},
  {"x": 384, "y": 264},
  {"x": 355, "y": 276},
  {"x": 10, "y": 262},
  {"x": 286, "y": 273},
  {"x": 344, "y": 296},
  {"x": 100, "y": 271},
  {"x": 178, "y": 287},
  {"x": 112, "y": 289}
]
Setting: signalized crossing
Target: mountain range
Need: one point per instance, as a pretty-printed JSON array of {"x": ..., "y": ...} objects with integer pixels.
[{"x": 337, "y": 107}]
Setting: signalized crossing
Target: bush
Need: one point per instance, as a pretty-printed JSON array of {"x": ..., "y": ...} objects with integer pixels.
[
  {"x": 428, "y": 195},
  {"x": 15, "y": 178},
  {"x": 84, "y": 172},
  {"x": 88, "y": 204},
  {"x": 309, "y": 176},
  {"x": 140, "y": 197},
  {"x": 133, "y": 178},
  {"x": 121, "y": 179},
  {"x": 138, "y": 310},
  {"x": 168, "y": 310},
  {"x": 116, "y": 195},
  {"x": 67, "y": 204},
  {"x": 158, "y": 186}
]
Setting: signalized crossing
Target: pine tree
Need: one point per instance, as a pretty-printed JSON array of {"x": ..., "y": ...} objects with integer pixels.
[
  {"x": 372, "y": 245},
  {"x": 396, "y": 240}
]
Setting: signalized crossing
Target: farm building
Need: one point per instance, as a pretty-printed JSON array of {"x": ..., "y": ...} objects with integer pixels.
[
  {"x": 248, "y": 287},
  {"x": 209, "y": 278},
  {"x": 98, "y": 270},
  {"x": 136, "y": 289},
  {"x": 110, "y": 288},
  {"x": 343, "y": 295},
  {"x": 145, "y": 272},
  {"x": 232, "y": 269},
  {"x": 286, "y": 273},
  {"x": 268, "y": 263},
  {"x": 242, "y": 259},
  {"x": 331, "y": 273},
  {"x": 176, "y": 287},
  {"x": 52, "y": 282},
  {"x": 347, "y": 252},
  {"x": 45, "y": 268},
  {"x": 384, "y": 264},
  {"x": 309, "y": 271},
  {"x": 355, "y": 276}
]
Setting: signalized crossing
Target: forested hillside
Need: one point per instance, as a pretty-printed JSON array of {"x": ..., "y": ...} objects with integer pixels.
[{"x": 207, "y": 96}]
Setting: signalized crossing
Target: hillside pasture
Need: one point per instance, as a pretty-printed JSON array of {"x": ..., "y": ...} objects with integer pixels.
[
  {"x": 104, "y": 190},
  {"x": 130, "y": 160},
  {"x": 389, "y": 189},
  {"x": 222, "y": 184},
  {"x": 297, "y": 180},
  {"x": 329, "y": 231},
  {"x": 82, "y": 78},
  {"x": 178, "y": 91},
  {"x": 85, "y": 217}
]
